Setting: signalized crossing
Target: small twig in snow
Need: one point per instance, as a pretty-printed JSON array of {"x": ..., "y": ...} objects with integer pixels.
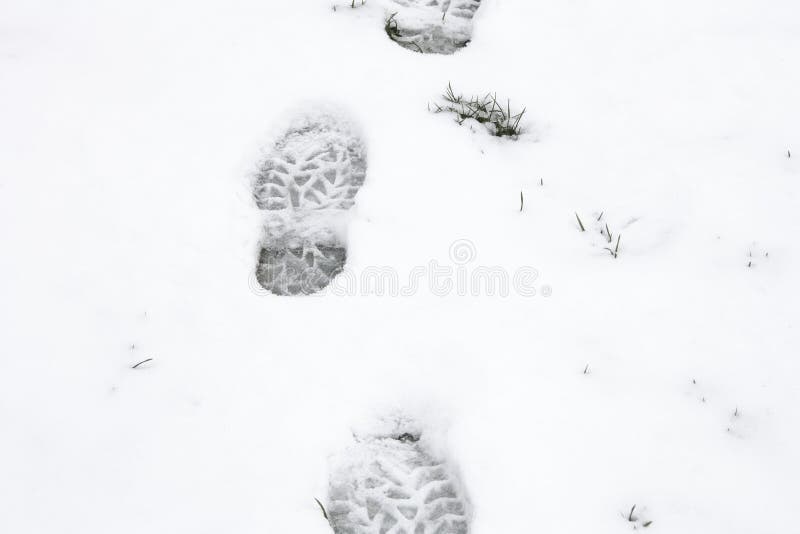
[
  {"x": 142, "y": 362},
  {"x": 579, "y": 222}
]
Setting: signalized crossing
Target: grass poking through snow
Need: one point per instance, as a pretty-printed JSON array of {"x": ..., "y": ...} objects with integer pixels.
[
  {"x": 391, "y": 28},
  {"x": 615, "y": 252},
  {"x": 580, "y": 223},
  {"x": 142, "y": 363},
  {"x": 499, "y": 120},
  {"x": 322, "y": 508}
]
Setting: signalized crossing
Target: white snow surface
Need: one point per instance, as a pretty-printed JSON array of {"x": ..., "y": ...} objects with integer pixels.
[{"x": 129, "y": 134}]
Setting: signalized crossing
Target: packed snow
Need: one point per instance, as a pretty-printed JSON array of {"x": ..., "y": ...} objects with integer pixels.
[{"x": 649, "y": 360}]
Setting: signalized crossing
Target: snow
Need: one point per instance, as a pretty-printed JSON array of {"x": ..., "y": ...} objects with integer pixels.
[{"x": 128, "y": 138}]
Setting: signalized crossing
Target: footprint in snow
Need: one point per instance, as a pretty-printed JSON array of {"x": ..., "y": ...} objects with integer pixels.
[
  {"x": 430, "y": 26},
  {"x": 390, "y": 482},
  {"x": 306, "y": 184}
]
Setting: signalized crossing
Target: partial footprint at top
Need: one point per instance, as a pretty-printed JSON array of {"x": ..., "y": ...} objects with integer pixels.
[
  {"x": 306, "y": 183},
  {"x": 391, "y": 482},
  {"x": 431, "y": 26}
]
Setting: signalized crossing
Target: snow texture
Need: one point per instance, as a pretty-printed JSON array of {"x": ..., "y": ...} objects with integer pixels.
[{"x": 312, "y": 174}]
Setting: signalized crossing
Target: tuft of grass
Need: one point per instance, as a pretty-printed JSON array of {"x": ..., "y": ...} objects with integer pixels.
[
  {"x": 636, "y": 518},
  {"x": 498, "y": 120},
  {"x": 391, "y": 28},
  {"x": 615, "y": 252},
  {"x": 631, "y": 518}
]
